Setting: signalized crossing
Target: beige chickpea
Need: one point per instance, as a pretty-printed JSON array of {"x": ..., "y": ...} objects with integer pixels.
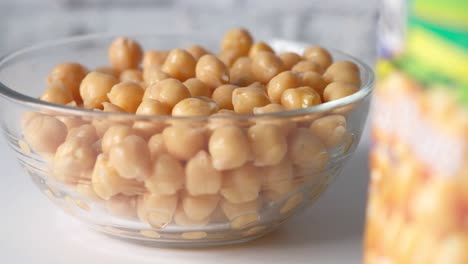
[
  {"x": 152, "y": 107},
  {"x": 113, "y": 136},
  {"x": 168, "y": 91},
  {"x": 85, "y": 133},
  {"x": 86, "y": 189},
  {"x": 289, "y": 59},
  {"x": 286, "y": 125},
  {"x": 280, "y": 83},
  {"x": 259, "y": 47},
  {"x": 167, "y": 177},
  {"x": 125, "y": 53},
  {"x": 228, "y": 57},
  {"x": 95, "y": 87},
  {"x": 241, "y": 72},
  {"x": 241, "y": 215},
  {"x": 198, "y": 88},
  {"x": 57, "y": 93},
  {"x": 314, "y": 80},
  {"x": 70, "y": 75},
  {"x": 269, "y": 108},
  {"x": 306, "y": 66},
  {"x": 301, "y": 97},
  {"x": 201, "y": 178},
  {"x": 229, "y": 147},
  {"x": 245, "y": 99},
  {"x": 154, "y": 74},
  {"x": 131, "y": 158},
  {"x": 110, "y": 107},
  {"x": 212, "y": 71},
  {"x": 73, "y": 161},
  {"x": 180, "y": 64},
  {"x": 223, "y": 96},
  {"x": 44, "y": 133},
  {"x": 126, "y": 95},
  {"x": 242, "y": 184},
  {"x": 238, "y": 40},
  {"x": 199, "y": 207},
  {"x": 343, "y": 71},
  {"x": 108, "y": 70},
  {"x": 268, "y": 144},
  {"x": 318, "y": 55},
  {"x": 183, "y": 141},
  {"x": 181, "y": 218},
  {"x": 156, "y": 146},
  {"x": 338, "y": 90},
  {"x": 266, "y": 65},
  {"x": 331, "y": 130},
  {"x": 131, "y": 75},
  {"x": 195, "y": 107},
  {"x": 154, "y": 58},
  {"x": 197, "y": 51},
  {"x": 122, "y": 206},
  {"x": 278, "y": 180},
  {"x": 157, "y": 210},
  {"x": 306, "y": 150},
  {"x": 258, "y": 85}
]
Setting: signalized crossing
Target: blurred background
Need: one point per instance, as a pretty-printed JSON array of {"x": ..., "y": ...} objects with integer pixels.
[{"x": 348, "y": 25}]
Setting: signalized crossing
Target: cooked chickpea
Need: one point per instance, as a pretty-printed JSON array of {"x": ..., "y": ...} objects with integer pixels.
[
  {"x": 338, "y": 90},
  {"x": 131, "y": 158},
  {"x": 125, "y": 53},
  {"x": 86, "y": 189},
  {"x": 197, "y": 87},
  {"x": 122, "y": 206},
  {"x": 56, "y": 93},
  {"x": 306, "y": 66},
  {"x": 183, "y": 142},
  {"x": 197, "y": 51},
  {"x": 289, "y": 59},
  {"x": 223, "y": 96},
  {"x": 241, "y": 215},
  {"x": 270, "y": 108},
  {"x": 181, "y": 218},
  {"x": 268, "y": 144},
  {"x": 244, "y": 100},
  {"x": 318, "y": 55},
  {"x": 153, "y": 107},
  {"x": 157, "y": 210},
  {"x": 265, "y": 66},
  {"x": 238, "y": 40},
  {"x": 259, "y": 47},
  {"x": 109, "y": 107},
  {"x": 306, "y": 150},
  {"x": 278, "y": 180},
  {"x": 229, "y": 147},
  {"x": 113, "y": 136},
  {"x": 85, "y": 133},
  {"x": 343, "y": 71},
  {"x": 73, "y": 160},
  {"x": 126, "y": 95},
  {"x": 70, "y": 75},
  {"x": 180, "y": 64},
  {"x": 228, "y": 57},
  {"x": 242, "y": 184},
  {"x": 150, "y": 107},
  {"x": 156, "y": 146},
  {"x": 195, "y": 107},
  {"x": 168, "y": 91},
  {"x": 153, "y": 58},
  {"x": 314, "y": 80},
  {"x": 211, "y": 71},
  {"x": 199, "y": 207},
  {"x": 331, "y": 130},
  {"x": 108, "y": 70},
  {"x": 201, "y": 177},
  {"x": 280, "y": 83},
  {"x": 44, "y": 133},
  {"x": 154, "y": 74},
  {"x": 301, "y": 97},
  {"x": 168, "y": 176},
  {"x": 95, "y": 87},
  {"x": 131, "y": 75},
  {"x": 241, "y": 72}
]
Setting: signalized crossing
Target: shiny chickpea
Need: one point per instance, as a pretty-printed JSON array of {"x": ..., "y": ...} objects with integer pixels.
[
  {"x": 183, "y": 142},
  {"x": 259, "y": 47},
  {"x": 153, "y": 58},
  {"x": 314, "y": 80},
  {"x": 126, "y": 95},
  {"x": 211, "y": 71},
  {"x": 154, "y": 74},
  {"x": 265, "y": 66},
  {"x": 168, "y": 91},
  {"x": 195, "y": 107},
  {"x": 156, "y": 146},
  {"x": 331, "y": 130},
  {"x": 229, "y": 147},
  {"x": 113, "y": 136},
  {"x": 318, "y": 55},
  {"x": 181, "y": 218},
  {"x": 241, "y": 72},
  {"x": 268, "y": 144},
  {"x": 343, "y": 71},
  {"x": 228, "y": 57},
  {"x": 57, "y": 93},
  {"x": 201, "y": 178},
  {"x": 131, "y": 158},
  {"x": 122, "y": 206},
  {"x": 152, "y": 107},
  {"x": 306, "y": 66},
  {"x": 125, "y": 53},
  {"x": 241, "y": 215},
  {"x": 85, "y": 133},
  {"x": 73, "y": 161},
  {"x": 168, "y": 176},
  {"x": 199, "y": 207},
  {"x": 301, "y": 97},
  {"x": 223, "y": 96},
  {"x": 180, "y": 64},
  {"x": 245, "y": 99},
  {"x": 338, "y": 90},
  {"x": 278, "y": 180},
  {"x": 280, "y": 83},
  {"x": 157, "y": 210},
  {"x": 108, "y": 70},
  {"x": 198, "y": 88},
  {"x": 94, "y": 89},
  {"x": 44, "y": 133},
  {"x": 289, "y": 59},
  {"x": 269, "y": 108},
  {"x": 306, "y": 150},
  {"x": 109, "y": 107},
  {"x": 131, "y": 75},
  {"x": 238, "y": 40},
  {"x": 70, "y": 75},
  {"x": 197, "y": 51},
  {"x": 242, "y": 184}
]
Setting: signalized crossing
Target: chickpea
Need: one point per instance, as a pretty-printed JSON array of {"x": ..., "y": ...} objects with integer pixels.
[
  {"x": 259, "y": 47},
  {"x": 86, "y": 189},
  {"x": 153, "y": 58},
  {"x": 154, "y": 74},
  {"x": 289, "y": 59},
  {"x": 70, "y": 75},
  {"x": 269, "y": 108},
  {"x": 301, "y": 97},
  {"x": 56, "y": 93},
  {"x": 331, "y": 130},
  {"x": 338, "y": 90},
  {"x": 306, "y": 66},
  {"x": 114, "y": 136},
  {"x": 211, "y": 71},
  {"x": 201, "y": 178},
  {"x": 131, "y": 75},
  {"x": 241, "y": 72},
  {"x": 238, "y": 40},
  {"x": 343, "y": 71},
  {"x": 197, "y": 88},
  {"x": 108, "y": 70},
  {"x": 266, "y": 65},
  {"x": 156, "y": 146},
  {"x": 122, "y": 206},
  {"x": 109, "y": 107},
  {"x": 241, "y": 215},
  {"x": 70, "y": 121},
  {"x": 168, "y": 91},
  {"x": 181, "y": 218},
  {"x": 244, "y": 100},
  {"x": 305, "y": 150},
  {"x": 195, "y": 107},
  {"x": 157, "y": 210},
  {"x": 73, "y": 160},
  {"x": 268, "y": 144},
  {"x": 258, "y": 85},
  {"x": 197, "y": 51},
  {"x": 180, "y": 65},
  {"x": 167, "y": 177},
  {"x": 223, "y": 96},
  {"x": 242, "y": 184},
  {"x": 228, "y": 57},
  {"x": 314, "y": 80},
  {"x": 199, "y": 207},
  {"x": 95, "y": 87},
  {"x": 278, "y": 180},
  {"x": 126, "y": 95},
  {"x": 153, "y": 107},
  {"x": 183, "y": 142},
  {"x": 44, "y": 133},
  {"x": 318, "y": 55},
  {"x": 125, "y": 54},
  {"x": 229, "y": 147},
  {"x": 85, "y": 133},
  {"x": 285, "y": 125},
  {"x": 131, "y": 158},
  {"x": 280, "y": 83}
]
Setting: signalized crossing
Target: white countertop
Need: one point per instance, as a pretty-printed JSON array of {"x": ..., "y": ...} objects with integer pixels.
[{"x": 32, "y": 230}]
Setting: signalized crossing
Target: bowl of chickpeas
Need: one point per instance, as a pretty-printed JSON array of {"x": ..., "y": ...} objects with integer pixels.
[{"x": 182, "y": 139}]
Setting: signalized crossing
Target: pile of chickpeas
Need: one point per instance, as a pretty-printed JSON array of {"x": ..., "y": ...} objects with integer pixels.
[{"x": 184, "y": 171}]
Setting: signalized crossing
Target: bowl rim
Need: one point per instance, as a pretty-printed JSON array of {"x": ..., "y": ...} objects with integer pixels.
[{"x": 20, "y": 98}]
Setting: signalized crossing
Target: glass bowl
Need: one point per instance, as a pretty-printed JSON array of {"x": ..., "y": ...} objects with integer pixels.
[{"x": 187, "y": 202}]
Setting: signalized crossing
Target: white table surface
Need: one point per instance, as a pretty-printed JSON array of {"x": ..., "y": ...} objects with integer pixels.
[{"x": 32, "y": 230}]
